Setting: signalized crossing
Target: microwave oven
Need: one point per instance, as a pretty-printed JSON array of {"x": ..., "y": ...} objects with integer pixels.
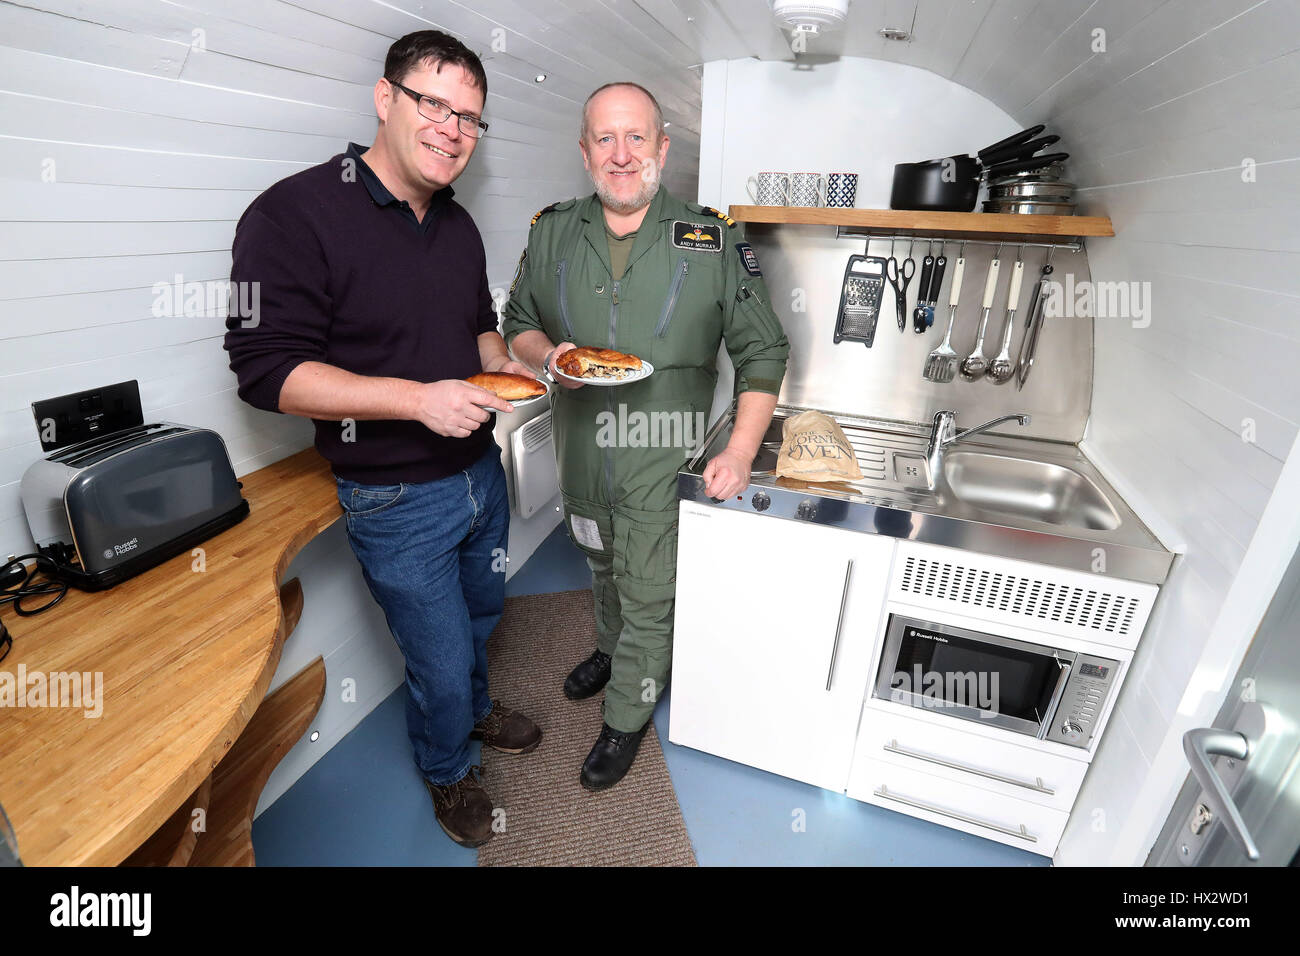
[{"x": 1048, "y": 693}]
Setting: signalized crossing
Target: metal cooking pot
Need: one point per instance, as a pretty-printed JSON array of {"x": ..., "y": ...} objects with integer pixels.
[
  {"x": 1029, "y": 206},
  {"x": 1050, "y": 190}
]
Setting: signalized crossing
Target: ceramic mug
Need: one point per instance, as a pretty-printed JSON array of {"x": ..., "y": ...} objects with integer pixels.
[
  {"x": 769, "y": 189},
  {"x": 807, "y": 189},
  {"x": 841, "y": 190}
]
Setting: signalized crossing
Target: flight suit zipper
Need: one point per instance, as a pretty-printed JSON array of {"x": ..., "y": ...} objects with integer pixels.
[
  {"x": 561, "y": 271},
  {"x": 661, "y": 329},
  {"x": 609, "y": 395}
]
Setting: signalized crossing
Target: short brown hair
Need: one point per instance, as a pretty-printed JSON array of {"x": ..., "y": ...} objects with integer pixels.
[
  {"x": 432, "y": 46},
  {"x": 659, "y": 113}
]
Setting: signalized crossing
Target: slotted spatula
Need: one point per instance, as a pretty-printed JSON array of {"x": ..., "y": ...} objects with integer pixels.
[{"x": 941, "y": 366}]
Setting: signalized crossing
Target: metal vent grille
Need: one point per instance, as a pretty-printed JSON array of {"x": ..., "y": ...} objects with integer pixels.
[
  {"x": 537, "y": 432},
  {"x": 1017, "y": 594}
]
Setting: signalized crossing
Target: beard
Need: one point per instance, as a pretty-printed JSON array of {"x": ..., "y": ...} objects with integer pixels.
[{"x": 650, "y": 171}]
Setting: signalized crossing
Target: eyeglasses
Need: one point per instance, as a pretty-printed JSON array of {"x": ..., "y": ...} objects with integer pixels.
[{"x": 440, "y": 112}]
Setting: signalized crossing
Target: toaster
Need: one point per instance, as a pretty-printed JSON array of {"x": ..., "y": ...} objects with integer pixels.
[{"x": 126, "y": 501}]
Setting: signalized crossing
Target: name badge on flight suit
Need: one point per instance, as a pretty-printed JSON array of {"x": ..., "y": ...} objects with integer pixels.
[{"x": 700, "y": 237}]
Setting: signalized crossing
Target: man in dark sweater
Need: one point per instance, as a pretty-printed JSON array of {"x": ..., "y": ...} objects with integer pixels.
[{"x": 373, "y": 308}]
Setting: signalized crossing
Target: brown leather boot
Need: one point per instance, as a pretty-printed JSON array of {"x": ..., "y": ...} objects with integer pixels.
[
  {"x": 507, "y": 730},
  {"x": 463, "y": 808}
]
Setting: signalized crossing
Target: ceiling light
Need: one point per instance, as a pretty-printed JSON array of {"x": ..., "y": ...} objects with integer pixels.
[
  {"x": 540, "y": 78},
  {"x": 810, "y": 17}
]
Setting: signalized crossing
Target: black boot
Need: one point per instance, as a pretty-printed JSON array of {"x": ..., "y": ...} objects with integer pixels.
[
  {"x": 611, "y": 758},
  {"x": 588, "y": 677}
]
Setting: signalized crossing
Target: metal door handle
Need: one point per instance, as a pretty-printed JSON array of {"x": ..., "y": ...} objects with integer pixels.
[
  {"x": 1022, "y": 833},
  {"x": 1202, "y": 743},
  {"x": 1036, "y": 786},
  {"x": 839, "y": 624}
]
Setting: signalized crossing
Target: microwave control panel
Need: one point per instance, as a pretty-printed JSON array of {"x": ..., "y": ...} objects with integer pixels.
[{"x": 1090, "y": 683}]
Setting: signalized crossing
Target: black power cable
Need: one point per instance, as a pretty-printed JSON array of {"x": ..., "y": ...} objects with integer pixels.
[{"x": 19, "y": 583}]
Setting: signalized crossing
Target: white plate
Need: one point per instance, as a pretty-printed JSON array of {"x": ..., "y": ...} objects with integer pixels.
[{"x": 645, "y": 371}]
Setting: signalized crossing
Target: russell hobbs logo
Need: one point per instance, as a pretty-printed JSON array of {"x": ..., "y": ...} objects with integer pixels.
[{"x": 120, "y": 549}]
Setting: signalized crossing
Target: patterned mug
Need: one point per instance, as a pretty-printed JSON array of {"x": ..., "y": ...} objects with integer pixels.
[
  {"x": 807, "y": 189},
  {"x": 769, "y": 189},
  {"x": 841, "y": 190}
]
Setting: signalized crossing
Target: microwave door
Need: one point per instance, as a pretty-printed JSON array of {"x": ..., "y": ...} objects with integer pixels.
[
  {"x": 1063, "y": 678},
  {"x": 971, "y": 675}
]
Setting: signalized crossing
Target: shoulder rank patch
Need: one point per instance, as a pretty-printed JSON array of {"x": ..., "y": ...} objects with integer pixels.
[
  {"x": 710, "y": 211},
  {"x": 562, "y": 205},
  {"x": 748, "y": 259},
  {"x": 698, "y": 236}
]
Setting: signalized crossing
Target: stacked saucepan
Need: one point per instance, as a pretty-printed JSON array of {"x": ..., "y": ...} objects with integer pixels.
[{"x": 1018, "y": 180}]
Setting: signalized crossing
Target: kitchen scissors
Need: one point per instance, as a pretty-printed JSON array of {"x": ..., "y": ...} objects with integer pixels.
[{"x": 899, "y": 278}]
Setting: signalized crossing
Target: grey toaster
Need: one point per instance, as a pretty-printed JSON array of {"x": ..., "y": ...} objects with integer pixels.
[{"x": 126, "y": 501}]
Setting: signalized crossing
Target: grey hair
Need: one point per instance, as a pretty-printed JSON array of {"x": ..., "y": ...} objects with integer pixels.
[{"x": 659, "y": 113}]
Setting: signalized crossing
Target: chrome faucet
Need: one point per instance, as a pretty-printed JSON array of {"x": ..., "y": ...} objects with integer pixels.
[{"x": 944, "y": 433}]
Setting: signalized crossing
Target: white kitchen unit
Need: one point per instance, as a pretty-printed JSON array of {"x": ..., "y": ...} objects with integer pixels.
[
  {"x": 778, "y": 663},
  {"x": 774, "y": 640}
]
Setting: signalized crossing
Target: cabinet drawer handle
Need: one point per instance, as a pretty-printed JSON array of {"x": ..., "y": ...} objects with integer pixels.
[
  {"x": 839, "y": 624},
  {"x": 1022, "y": 833},
  {"x": 1036, "y": 786}
]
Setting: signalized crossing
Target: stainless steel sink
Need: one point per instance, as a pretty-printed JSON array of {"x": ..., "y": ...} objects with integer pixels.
[
  {"x": 1024, "y": 498},
  {"x": 1037, "y": 490}
]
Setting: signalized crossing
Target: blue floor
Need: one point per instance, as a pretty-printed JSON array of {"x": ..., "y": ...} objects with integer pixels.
[{"x": 363, "y": 803}]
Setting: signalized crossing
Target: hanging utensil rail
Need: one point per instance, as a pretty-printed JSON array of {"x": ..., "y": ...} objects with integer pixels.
[{"x": 857, "y": 232}]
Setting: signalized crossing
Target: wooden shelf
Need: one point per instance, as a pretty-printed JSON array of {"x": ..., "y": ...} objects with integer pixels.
[{"x": 955, "y": 225}]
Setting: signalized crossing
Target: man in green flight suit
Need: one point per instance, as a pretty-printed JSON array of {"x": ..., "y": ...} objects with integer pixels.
[{"x": 634, "y": 269}]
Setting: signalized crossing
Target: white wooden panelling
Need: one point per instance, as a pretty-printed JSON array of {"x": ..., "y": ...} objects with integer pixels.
[{"x": 73, "y": 39}]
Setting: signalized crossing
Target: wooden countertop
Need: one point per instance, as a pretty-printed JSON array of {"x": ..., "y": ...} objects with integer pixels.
[{"x": 186, "y": 658}]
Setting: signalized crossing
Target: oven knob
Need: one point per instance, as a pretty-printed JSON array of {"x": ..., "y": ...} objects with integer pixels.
[
  {"x": 760, "y": 501},
  {"x": 1071, "y": 731},
  {"x": 806, "y": 510}
]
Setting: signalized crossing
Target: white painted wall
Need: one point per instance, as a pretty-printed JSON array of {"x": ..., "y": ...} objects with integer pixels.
[{"x": 134, "y": 133}]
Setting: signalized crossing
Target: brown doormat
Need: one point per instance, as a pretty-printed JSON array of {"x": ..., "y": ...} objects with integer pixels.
[{"x": 550, "y": 820}]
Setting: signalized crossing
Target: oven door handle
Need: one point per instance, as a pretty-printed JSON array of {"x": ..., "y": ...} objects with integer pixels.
[
  {"x": 1062, "y": 678},
  {"x": 839, "y": 624}
]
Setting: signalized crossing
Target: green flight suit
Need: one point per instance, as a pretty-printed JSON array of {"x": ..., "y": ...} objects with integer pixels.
[{"x": 691, "y": 282}]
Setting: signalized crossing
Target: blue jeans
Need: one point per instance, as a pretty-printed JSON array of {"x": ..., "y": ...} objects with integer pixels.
[{"x": 433, "y": 556}]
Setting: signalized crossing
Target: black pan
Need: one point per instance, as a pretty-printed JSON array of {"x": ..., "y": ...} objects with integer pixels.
[
  {"x": 1026, "y": 165},
  {"x": 1014, "y": 139},
  {"x": 1010, "y": 153}
]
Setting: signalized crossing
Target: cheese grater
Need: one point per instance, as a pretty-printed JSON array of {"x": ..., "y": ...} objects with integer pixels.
[{"x": 860, "y": 295}]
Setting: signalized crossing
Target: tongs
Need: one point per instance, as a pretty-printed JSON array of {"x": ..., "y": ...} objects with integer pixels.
[{"x": 1033, "y": 323}]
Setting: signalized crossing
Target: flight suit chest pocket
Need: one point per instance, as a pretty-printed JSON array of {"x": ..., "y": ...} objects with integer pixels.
[
  {"x": 560, "y": 276},
  {"x": 680, "y": 272}
]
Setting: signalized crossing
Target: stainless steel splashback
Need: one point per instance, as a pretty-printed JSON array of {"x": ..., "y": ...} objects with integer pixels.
[{"x": 804, "y": 265}]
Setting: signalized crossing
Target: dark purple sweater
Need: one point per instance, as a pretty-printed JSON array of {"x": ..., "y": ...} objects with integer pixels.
[{"x": 350, "y": 278}]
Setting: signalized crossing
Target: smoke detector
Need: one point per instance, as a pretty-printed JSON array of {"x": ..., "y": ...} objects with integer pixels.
[{"x": 810, "y": 17}]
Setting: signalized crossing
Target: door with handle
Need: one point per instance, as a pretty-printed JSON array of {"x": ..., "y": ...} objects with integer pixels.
[{"x": 1241, "y": 802}]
